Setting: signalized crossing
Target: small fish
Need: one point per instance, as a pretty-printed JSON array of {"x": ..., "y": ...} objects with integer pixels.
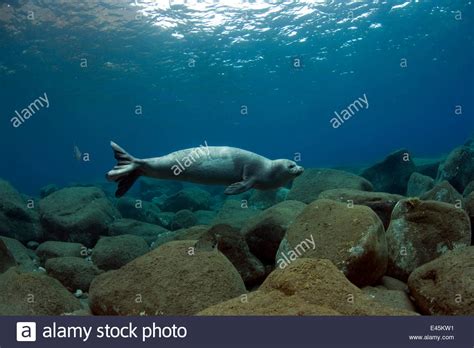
[{"x": 77, "y": 153}]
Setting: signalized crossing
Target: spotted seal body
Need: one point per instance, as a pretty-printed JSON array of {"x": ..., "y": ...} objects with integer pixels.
[{"x": 239, "y": 169}]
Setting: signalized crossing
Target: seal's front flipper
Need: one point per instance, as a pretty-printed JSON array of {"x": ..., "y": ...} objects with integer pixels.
[
  {"x": 238, "y": 187},
  {"x": 125, "y": 172}
]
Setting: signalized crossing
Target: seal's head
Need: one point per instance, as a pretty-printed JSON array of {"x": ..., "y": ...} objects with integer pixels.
[{"x": 286, "y": 170}]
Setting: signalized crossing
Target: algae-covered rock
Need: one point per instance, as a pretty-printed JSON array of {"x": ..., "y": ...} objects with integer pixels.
[
  {"x": 6, "y": 258},
  {"x": 443, "y": 192},
  {"x": 137, "y": 209},
  {"x": 191, "y": 198},
  {"x": 205, "y": 217},
  {"x": 115, "y": 252},
  {"x": 232, "y": 244},
  {"x": 48, "y": 189},
  {"x": 353, "y": 238},
  {"x": 265, "y": 231},
  {"x": 22, "y": 256},
  {"x": 235, "y": 213},
  {"x": 418, "y": 184},
  {"x": 445, "y": 285},
  {"x": 191, "y": 233},
  {"x": 149, "y": 232},
  {"x": 391, "y": 298},
  {"x": 151, "y": 188},
  {"x": 421, "y": 231},
  {"x": 264, "y": 199},
  {"x": 170, "y": 280},
  {"x": 392, "y": 173},
  {"x": 77, "y": 214},
  {"x": 51, "y": 249},
  {"x": 73, "y": 272},
  {"x": 307, "y": 187},
  {"x": 380, "y": 202},
  {"x": 458, "y": 168},
  {"x": 305, "y": 287},
  {"x": 17, "y": 219},
  {"x": 183, "y": 219},
  {"x": 34, "y": 294}
]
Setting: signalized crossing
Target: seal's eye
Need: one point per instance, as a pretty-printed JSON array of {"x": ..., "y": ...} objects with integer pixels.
[{"x": 292, "y": 166}]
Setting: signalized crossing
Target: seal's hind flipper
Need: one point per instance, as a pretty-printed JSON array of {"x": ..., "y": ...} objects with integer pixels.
[
  {"x": 238, "y": 187},
  {"x": 125, "y": 172}
]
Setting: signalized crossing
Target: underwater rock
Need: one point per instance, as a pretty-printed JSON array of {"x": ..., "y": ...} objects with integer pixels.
[
  {"x": 420, "y": 231},
  {"x": 6, "y": 258},
  {"x": 418, "y": 184},
  {"x": 393, "y": 284},
  {"x": 307, "y": 187},
  {"x": 151, "y": 188},
  {"x": 115, "y": 252},
  {"x": 232, "y": 244},
  {"x": 235, "y": 213},
  {"x": 265, "y": 199},
  {"x": 16, "y": 219},
  {"x": 444, "y": 286},
  {"x": 149, "y": 232},
  {"x": 34, "y": 294},
  {"x": 353, "y": 238},
  {"x": 191, "y": 198},
  {"x": 391, "y": 298},
  {"x": 73, "y": 272},
  {"x": 314, "y": 286},
  {"x": 428, "y": 166},
  {"x": 48, "y": 189},
  {"x": 469, "y": 206},
  {"x": 443, "y": 192},
  {"x": 265, "y": 231},
  {"x": 133, "y": 208},
  {"x": 23, "y": 256},
  {"x": 469, "y": 188},
  {"x": 458, "y": 168},
  {"x": 77, "y": 214},
  {"x": 183, "y": 219},
  {"x": 205, "y": 217},
  {"x": 392, "y": 173},
  {"x": 191, "y": 233},
  {"x": 170, "y": 280},
  {"x": 51, "y": 249},
  {"x": 380, "y": 202}
]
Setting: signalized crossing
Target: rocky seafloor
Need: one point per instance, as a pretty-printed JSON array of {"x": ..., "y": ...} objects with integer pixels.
[{"x": 394, "y": 238}]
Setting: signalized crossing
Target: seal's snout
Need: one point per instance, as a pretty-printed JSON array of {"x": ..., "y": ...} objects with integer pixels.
[{"x": 299, "y": 171}]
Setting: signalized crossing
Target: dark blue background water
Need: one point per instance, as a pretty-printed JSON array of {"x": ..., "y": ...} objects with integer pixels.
[{"x": 243, "y": 55}]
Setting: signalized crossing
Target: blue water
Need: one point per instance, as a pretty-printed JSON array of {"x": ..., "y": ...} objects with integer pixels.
[{"x": 193, "y": 67}]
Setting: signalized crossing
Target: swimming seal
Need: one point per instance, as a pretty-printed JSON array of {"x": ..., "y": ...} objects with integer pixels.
[{"x": 213, "y": 165}]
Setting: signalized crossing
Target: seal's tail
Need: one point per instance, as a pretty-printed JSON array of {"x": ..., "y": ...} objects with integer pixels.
[{"x": 125, "y": 172}]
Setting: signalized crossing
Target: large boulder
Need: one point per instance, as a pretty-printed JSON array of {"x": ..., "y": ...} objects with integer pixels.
[
  {"x": 264, "y": 199},
  {"x": 305, "y": 287},
  {"x": 6, "y": 258},
  {"x": 148, "y": 232},
  {"x": 174, "y": 279},
  {"x": 24, "y": 257},
  {"x": 469, "y": 206},
  {"x": 34, "y": 294},
  {"x": 443, "y": 192},
  {"x": 445, "y": 286},
  {"x": 77, "y": 214},
  {"x": 418, "y": 184},
  {"x": 232, "y": 244},
  {"x": 17, "y": 219},
  {"x": 191, "y": 198},
  {"x": 183, "y": 219},
  {"x": 133, "y": 208},
  {"x": 421, "y": 231},
  {"x": 52, "y": 249},
  {"x": 235, "y": 213},
  {"x": 352, "y": 237},
  {"x": 380, "y": 202},
  {"x": 205, "y": 217},
  {"x": 73, "y": 272},
  {"x": 458, "y": 168},
  {"x": 115, "y": 252},
  {"x": 392, "y": 173},
  {"x": 191, "y": 233},
  {"x": 428, "y": 166},
  {"x": 265, "y": 231},
  {"x": 151, "y": 188},
  {"x": 307, "y": 187}
]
